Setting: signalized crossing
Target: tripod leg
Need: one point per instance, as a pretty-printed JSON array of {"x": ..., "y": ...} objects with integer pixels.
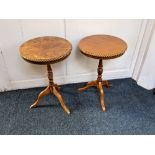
[
  {"x": 101, "y": 96},
  {"x": 106, "y": 84},
  {"x": 59, "y": 97},
  {"x": 40, "y": 96},
  {"x": 88, "y": 85}
]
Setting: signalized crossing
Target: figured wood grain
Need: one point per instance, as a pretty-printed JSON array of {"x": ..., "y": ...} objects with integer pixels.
[
  {"x": 102, "y": 46},
  {"x": 45, "y": 50}
]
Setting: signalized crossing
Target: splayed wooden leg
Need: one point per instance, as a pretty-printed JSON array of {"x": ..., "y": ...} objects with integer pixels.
[
  {"x": 40, "y": 96},
  {"x": 59, "y": 97},
  {"x": 88, "y": 85},
  {"x": 100, "y": 88},
  {"x": 106, "y": 84}
]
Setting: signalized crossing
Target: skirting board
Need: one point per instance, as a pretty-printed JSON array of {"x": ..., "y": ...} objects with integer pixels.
[
  {"x": 142, "y": 81},
  {"x": 107, "y": 75}
]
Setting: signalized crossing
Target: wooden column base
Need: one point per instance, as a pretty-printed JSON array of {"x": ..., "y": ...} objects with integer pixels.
[
  {"x": 99, "y": 83},
  {"x": 53, "y": 89}
]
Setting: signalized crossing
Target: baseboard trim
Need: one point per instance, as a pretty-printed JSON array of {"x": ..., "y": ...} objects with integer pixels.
[{"x": 108, "y": 75}]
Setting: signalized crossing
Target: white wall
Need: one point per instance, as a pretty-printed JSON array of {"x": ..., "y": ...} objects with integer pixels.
[
  {"x": 86, "y": 67},
  {"x": 4, "y": 81},
  {"x": 16, "y": 73},
  {"x": 146, "y": 76}
]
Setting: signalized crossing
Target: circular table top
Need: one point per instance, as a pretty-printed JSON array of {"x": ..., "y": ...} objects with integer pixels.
[
  {"x": 43, "y": 50},
  {"x": 102, "y": 46}
]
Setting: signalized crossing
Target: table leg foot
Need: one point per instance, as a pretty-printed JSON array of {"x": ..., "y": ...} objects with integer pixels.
[
  {"x": 40, "y": 96},
  {"x": 59, "y": 97}
]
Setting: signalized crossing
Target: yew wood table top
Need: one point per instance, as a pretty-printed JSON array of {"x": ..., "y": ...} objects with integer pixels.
[
  {"x": 102, "y": 46},
  {"x": 43, "y": 50}
]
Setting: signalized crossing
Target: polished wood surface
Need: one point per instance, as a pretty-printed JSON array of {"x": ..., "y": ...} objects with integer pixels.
[
  {"x": 46, "y": 49},
  {"x": 102, "y": 46}
]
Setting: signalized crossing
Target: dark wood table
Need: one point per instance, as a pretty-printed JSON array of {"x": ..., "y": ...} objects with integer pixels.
[
  {"x": 45, "y": 51},
  {"x": 101, "y": 47}
]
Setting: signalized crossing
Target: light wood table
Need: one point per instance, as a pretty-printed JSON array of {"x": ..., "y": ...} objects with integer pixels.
[
  {"x": 101, "y": 47},
  {"x": 45, "y": 51}
]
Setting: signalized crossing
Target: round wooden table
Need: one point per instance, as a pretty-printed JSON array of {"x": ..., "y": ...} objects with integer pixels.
[
  {"x": 101, "y": 47},
  {"x": 45, "y": 51}
]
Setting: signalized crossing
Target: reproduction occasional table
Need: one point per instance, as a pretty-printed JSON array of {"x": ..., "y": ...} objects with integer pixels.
[
  {"x": 101, "y": 47},
  {"x": 45, "y": 51}
]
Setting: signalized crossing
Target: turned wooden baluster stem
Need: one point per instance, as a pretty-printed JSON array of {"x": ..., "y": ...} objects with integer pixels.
[
  {"x": 50, "y": 75},
  {"x": 100, "y": 71}
]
